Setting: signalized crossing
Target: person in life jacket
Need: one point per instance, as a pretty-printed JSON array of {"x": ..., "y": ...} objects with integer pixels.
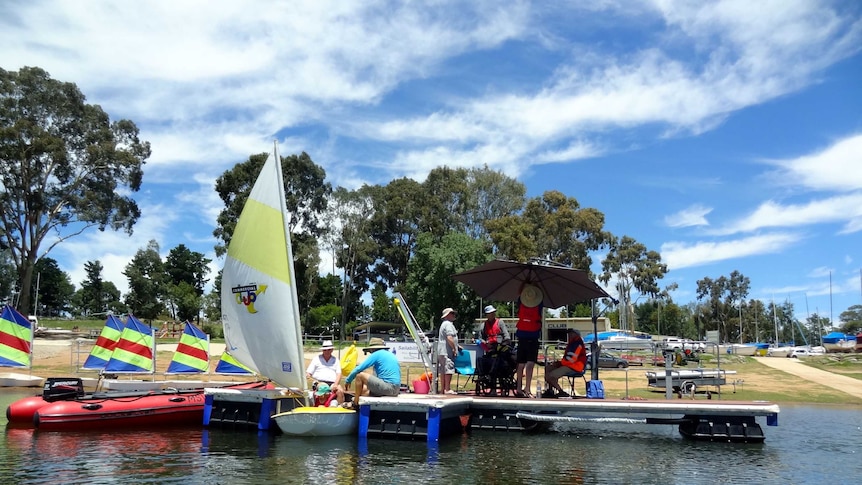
[
  {"x": 324, "y": 396},
  {"x": 494, "y": 330},
  {"x": 573, "y": 363},
  {"x": 529, "y": 331}
]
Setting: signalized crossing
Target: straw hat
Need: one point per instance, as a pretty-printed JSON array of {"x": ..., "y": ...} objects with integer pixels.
[
  {"x": 531, "y": 296},
  {"x": 327, "y": 345},
  {"x": 376, "y": 343}
]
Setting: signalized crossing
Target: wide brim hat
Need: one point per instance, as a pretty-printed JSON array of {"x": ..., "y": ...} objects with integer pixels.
[
  {"x": 323, "y": 389},
  {"x": 376, "y": 343},
  {"x": 447, "y": 311},
  {"x": 490, "y": 309},
  {"x": 327, "y": 345},
  {"x": 531, "y": 296}
]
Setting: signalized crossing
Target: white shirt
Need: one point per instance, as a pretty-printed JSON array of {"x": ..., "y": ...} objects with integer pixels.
[{"x": 324, "y": 370}]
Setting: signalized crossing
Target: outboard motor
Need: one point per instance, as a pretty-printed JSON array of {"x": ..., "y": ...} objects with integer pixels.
[{"x": 62, "y": 388}]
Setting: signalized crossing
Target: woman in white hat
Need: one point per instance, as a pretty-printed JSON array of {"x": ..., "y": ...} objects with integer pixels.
[{"x": 528, "y": 333}]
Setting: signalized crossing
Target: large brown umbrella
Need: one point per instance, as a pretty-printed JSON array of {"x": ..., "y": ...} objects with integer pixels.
[{"x": 502, "y": 281}]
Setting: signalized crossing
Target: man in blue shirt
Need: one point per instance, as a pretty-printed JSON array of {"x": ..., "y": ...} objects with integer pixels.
[{"x": 386, "y": 380}]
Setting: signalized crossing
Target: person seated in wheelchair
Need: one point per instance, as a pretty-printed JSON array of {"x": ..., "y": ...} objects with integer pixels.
[
  {"x": 573, "y": 363},
  {"x": 494, "y": 330},
  {"x": 497, "y": 367}
]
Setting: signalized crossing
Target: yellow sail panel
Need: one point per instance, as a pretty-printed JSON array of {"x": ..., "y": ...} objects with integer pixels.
[{"x": 259, "y": 235}]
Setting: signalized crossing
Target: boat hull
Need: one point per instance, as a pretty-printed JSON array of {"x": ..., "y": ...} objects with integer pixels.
[
  {"x": 318, "y": 421},
  {"x": 79, "y": 410},
  {"x": 181, "y": 408},
  {"x": 16, "y": 379}
]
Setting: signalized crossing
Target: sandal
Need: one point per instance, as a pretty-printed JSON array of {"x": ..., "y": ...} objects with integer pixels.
[{"x": 520, "y": 393}]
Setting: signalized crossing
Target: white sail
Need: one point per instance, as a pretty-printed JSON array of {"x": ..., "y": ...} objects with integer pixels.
[{"x": 258, "y": 290}]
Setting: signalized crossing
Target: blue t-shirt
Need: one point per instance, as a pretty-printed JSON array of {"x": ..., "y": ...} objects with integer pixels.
[{"x": 385, "y": 365}]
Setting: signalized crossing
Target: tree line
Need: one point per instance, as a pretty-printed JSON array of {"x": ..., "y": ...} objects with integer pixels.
[{"x": 66, "y": 168}]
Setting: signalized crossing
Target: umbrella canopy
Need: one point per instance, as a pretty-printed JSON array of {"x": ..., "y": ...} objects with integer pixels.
[{"x": 502, "y": 281}]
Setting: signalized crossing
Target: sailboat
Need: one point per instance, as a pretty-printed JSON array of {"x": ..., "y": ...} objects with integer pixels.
[
  {"x": 16, "y": 349},
  {"x": 260, "y": 312}
]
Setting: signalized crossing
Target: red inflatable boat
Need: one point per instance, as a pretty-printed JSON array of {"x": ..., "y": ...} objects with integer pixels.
[{"x": 64, "y": 406}]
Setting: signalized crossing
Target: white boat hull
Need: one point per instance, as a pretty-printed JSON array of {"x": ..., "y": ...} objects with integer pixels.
[
  {"x": 318, "y": 421},
  {"x": 841, "y": 346},
  {"x": 16, "y": 379}
]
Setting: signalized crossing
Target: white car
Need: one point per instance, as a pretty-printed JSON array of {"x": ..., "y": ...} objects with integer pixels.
[{"x": 796, "y": 353}]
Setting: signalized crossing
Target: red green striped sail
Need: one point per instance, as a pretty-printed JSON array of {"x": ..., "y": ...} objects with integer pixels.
[
  {"x": 105, "y": 344},
  {"x": 228, "y": 365},
  {"x": 16, "y": 339},
  {"x": 192, "y": 355},
  {"x": 134, "y": 350}
]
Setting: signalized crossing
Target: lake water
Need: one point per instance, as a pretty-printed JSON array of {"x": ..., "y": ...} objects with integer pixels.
[{"x": 810, "y": 445}]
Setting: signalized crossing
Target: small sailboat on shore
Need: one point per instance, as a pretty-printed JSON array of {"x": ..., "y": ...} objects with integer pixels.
[{"x": 16, "y": 349}]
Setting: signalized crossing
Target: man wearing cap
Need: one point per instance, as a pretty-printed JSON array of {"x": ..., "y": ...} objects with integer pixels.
[
  {"x": 494, "y": 330},
  {"x": 573, "y": 363},
  {"x": 386, "y": 380},
  {"x": 326, "y": 368},
  {"x": 447, "y": 349}
]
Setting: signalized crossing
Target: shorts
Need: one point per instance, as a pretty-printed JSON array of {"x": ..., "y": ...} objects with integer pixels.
[
  {"x": 559, "y": 372},
  {"x": 528, "y": 350},
  {"x": 379, "y": 387},
  {"x": 445, "y": 365}
]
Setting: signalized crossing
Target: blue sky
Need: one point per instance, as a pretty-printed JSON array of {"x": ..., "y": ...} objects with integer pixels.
[{"x": 725, "y": 134}]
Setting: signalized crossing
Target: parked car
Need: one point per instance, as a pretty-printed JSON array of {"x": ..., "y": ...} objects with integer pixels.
[
  {"x": 607, "y": 360},
  {"x": 802, "y": 352}
]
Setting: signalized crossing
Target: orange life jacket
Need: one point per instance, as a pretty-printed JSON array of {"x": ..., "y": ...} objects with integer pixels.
[
  {"x": 576, "y": 356},
  {"x": 492, "y": 331},
  {"x": 530, "y": 318}
]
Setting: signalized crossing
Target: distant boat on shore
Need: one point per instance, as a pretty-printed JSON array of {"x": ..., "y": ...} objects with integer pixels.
[{"x": 839, "y": 342}]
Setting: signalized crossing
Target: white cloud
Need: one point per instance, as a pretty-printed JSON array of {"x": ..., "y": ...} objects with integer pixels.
[
  {"x": 842, "y": 208},
  {"x": 836, "y": 168},
  {"x": 679, "y": 255},
  {"x": 694, "y": 215}
]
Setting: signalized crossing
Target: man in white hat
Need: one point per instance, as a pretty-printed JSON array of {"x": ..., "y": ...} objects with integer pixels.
[
  {"x": 494, "y": 330},
  {"x": 447, "y": 349},
  {"x": 326, "y": 368},
  {"x": 386, "y": 380}
]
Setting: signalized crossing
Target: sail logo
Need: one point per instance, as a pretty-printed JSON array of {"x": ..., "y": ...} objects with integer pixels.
[{"x": 247, "y": 295}]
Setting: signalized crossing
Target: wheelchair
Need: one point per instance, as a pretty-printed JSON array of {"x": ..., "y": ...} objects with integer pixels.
[{"x": 495, "y": 371}]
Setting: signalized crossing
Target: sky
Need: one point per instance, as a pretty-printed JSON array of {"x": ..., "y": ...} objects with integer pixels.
[{"x": 727, "y": 135}]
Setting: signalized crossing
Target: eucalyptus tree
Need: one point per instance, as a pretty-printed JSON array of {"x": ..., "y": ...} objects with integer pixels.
[
  {"x": 306, "y": 196},
  {"x": 490, "y": 195},
  {"x": 55, "y": 288},
  {"x": 147, "y": 283},
  {"x": 64, "y": 167},
  {"x": 635, "y": 268},
  {"x": 851, "y": 319},
  {"x": 552, "y": 227},
  {"x": 395, "y": 226},
  {"x": 429, "y": 282},
  {"x": 722, "y": 298}
]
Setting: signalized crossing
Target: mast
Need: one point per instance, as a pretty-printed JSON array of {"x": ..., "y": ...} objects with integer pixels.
[{"x": 289, "y": 250}]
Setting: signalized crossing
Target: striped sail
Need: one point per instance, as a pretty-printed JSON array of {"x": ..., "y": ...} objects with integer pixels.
[
  {"x": 16, "y": 339},
  {"x": 193, "y": 352},
  {"x": 134, "y": 352},
  {"x": 228, "y": 365},
  {"x": 105, "y": 344},
  {"x": 258, "y": 292}
]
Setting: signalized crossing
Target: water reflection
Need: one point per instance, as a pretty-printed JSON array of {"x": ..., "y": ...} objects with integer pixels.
[{"x": 811, "y": 442}]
